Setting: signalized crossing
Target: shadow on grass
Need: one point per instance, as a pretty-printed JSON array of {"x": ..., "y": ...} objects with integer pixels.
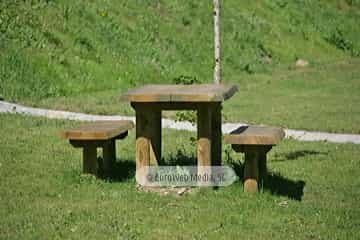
[
  {"x": 123, "y": 170},
  {"x": 298, "y": 154},
  {"x": 275, "y": 183},
  {"x": 180, "y": 159}
]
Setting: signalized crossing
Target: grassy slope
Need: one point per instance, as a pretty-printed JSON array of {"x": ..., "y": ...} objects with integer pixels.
[
  {"x": 43, "y": 194},
  {"x": 318, "y": 98},
  {"x": 81, "y": 55}
]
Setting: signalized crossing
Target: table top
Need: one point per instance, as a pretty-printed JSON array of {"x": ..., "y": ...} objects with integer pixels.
[{"x": 182, "y": 93}]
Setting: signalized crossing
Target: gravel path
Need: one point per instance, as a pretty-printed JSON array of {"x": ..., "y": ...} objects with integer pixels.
[{"x": 6, "y": 107}]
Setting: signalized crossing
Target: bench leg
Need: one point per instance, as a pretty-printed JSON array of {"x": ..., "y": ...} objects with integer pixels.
[
  {"x": 262, "y": 164},
  {"x": 255, "y": 167},
  {"x": 262, "y": 169},
  {"x": 109, "y": 155},
  {"x": 90, "y": 164},
  {"x": 251, "y": 171}
]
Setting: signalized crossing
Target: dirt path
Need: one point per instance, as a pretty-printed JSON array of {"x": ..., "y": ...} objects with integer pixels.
[{"x": 6, "y": 107}]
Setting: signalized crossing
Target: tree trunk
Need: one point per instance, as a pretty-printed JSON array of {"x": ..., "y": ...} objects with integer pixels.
[{"x": 217, "y": 72}]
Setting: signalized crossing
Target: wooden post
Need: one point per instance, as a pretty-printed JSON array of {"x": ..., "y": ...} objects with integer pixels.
[
  {"x": 251, "y": 171},
  {"x": 216, "y": 135},
  {"x": 204, "y": 138},
  {"x": 109, "y": 155},
  {"x": 217, "y": 70},
  {"x": 142, "y": 139},
  {"x": 155, "y": 136},
  {"x": 263, "y": 150},
  {"x": 90, "y": 164},
  {"x": 148, "y": 136}
]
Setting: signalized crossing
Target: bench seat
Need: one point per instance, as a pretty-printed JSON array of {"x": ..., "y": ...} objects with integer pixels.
[
  {"x": 92, "y": 135},
  {"x": 255, "y": 142}
]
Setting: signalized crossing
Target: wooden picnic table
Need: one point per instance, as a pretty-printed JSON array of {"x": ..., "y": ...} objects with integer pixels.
[{"x": 148, "y": 102}]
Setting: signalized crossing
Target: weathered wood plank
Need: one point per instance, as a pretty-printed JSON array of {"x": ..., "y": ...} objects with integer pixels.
[
  {"x": 149, "y": 93},
  {"x": 182, "y": 93},
  {"x": 102, "y": 130},
  {"x": 255, "y": 135}
]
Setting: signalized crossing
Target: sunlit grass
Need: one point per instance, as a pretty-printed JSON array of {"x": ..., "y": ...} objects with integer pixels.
[{"x": 44, "y": 195}]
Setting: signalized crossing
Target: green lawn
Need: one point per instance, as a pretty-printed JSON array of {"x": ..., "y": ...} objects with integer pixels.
[
  {"x": 313, "y": 192},
  {"x": 319, "y": 98},
  {"x": 81, "y": 55}
]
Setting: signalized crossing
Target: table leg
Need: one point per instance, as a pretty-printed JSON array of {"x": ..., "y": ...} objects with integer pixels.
[
  {"x": 204, "y": 139},
  {"x": 155, "y": 136},
  {"x": 216, "y": 135},
  {"x": 148, "y": 137}
]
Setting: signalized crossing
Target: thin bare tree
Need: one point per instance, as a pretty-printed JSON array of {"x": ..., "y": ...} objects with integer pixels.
[{"x": 217, "y": 70}]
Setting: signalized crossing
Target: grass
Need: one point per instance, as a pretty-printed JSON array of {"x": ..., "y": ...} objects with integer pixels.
[
  {"x": 81, "y": 56},
  {"x": 317, "y": 98},
  {"x": 314, "y": 192}
]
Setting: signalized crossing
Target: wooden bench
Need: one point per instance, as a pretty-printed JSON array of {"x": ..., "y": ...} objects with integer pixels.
[
  {"x": 255, "y": 142},
  {"x": 98, "y": 134}
]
